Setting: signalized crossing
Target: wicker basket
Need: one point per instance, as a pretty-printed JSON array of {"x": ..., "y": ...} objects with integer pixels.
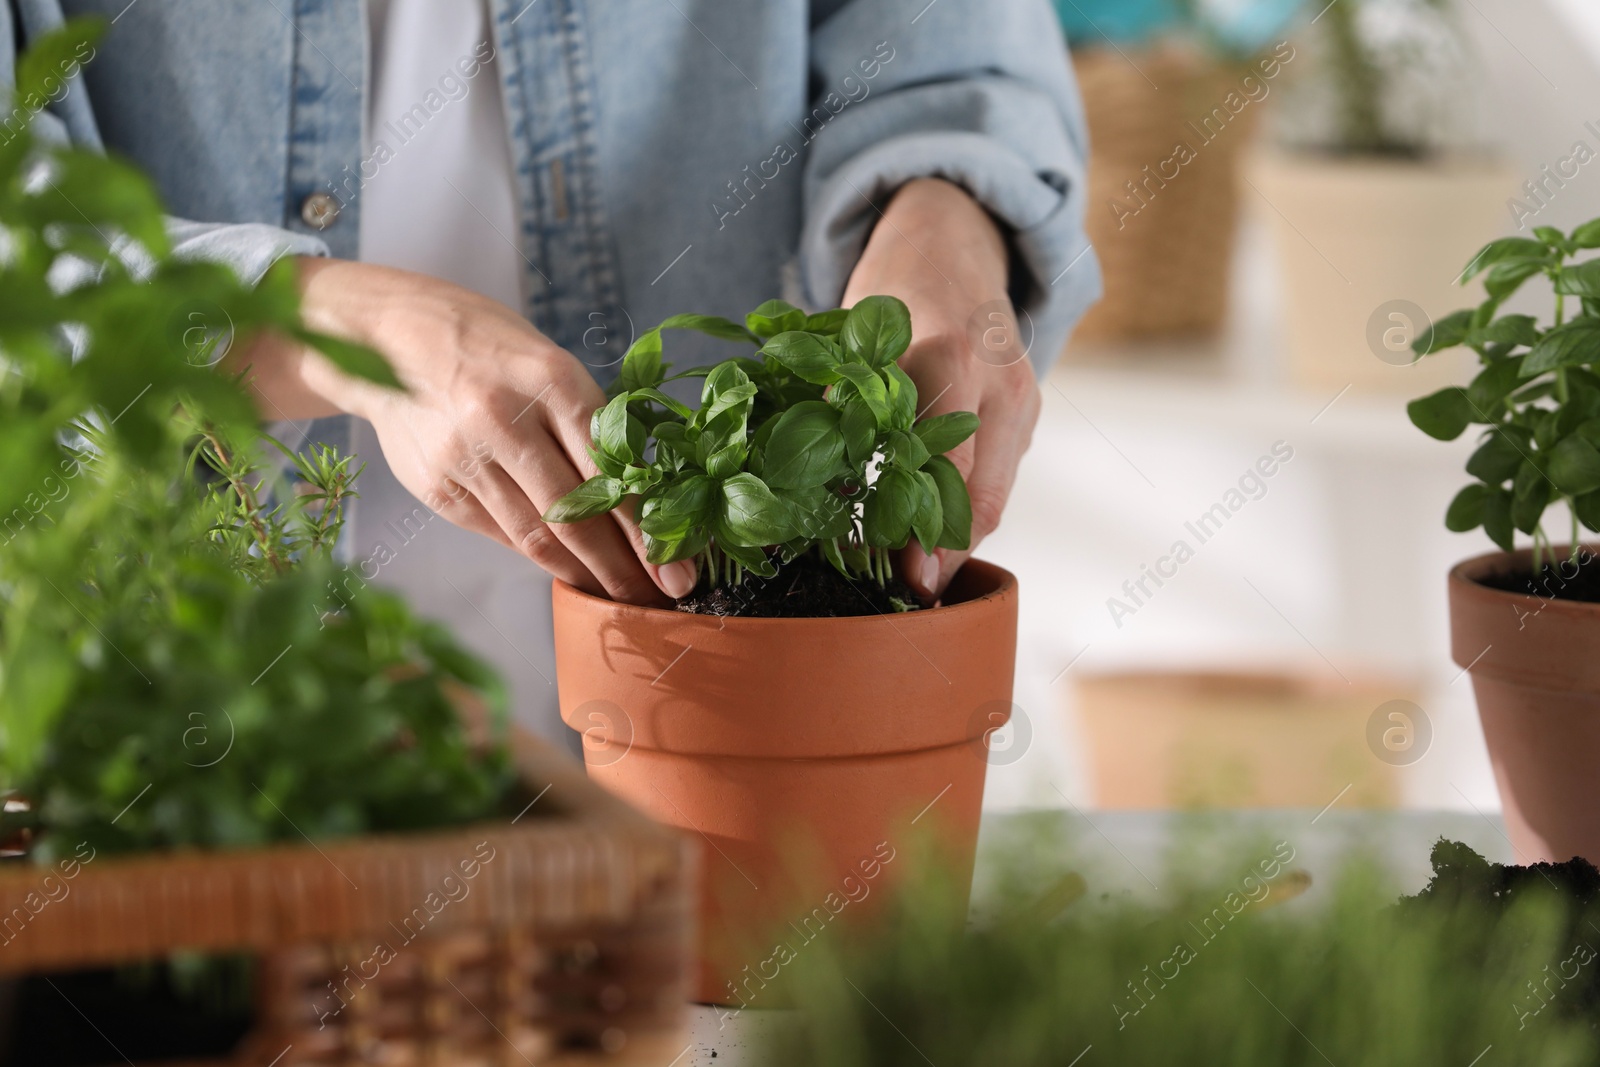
[
  {"x": 1166, "y": 268},
  {"x": 561, "y": 937}
]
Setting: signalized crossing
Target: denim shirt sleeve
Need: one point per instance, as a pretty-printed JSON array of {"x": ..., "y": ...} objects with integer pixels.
[
  {"x": 248, "y": 248},
  {"x": 981, "y": 95}
]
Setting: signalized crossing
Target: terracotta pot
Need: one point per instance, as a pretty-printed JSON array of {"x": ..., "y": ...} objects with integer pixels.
[
  {"x": 803, "y": 755},
  {"x": 1537, "y": 678}
]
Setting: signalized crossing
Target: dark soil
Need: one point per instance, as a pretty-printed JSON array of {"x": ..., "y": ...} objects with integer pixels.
[
  {"x": 1559, "y": 581},
  {"x": 804, "y": 588},
  {"x": 1461, "y": 876}
]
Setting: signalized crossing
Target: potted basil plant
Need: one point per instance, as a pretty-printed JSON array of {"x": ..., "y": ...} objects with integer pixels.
[
  {"x": 800, "y": 695},
  {"x": 1525, "y": 623}
]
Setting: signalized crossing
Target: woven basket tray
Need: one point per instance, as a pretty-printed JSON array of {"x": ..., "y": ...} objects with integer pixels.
[
  {"x": 561, "y": 937},
  {"x": 1165, "y": 268}
]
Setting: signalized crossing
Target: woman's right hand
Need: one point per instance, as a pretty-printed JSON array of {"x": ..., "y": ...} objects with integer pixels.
[{"x": 493, "y": 426}]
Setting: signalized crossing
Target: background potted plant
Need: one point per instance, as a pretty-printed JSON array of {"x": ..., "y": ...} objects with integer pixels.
[
  {"x": 1525, "y": 623},
  {"x": 1378, "y": 186},
  {"x": 1173, "y": 92},
  {"x": 205, "y": 749},
  {"x": 800, "y": 694}
]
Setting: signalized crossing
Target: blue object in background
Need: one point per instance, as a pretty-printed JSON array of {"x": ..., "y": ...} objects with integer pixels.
[
  {"x": 1238, "y": 26},
  {"x": 1123, "y": 21}
]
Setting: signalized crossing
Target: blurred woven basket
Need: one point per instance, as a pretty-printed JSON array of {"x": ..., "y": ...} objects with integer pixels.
[
  {"x": 560, "y": 937},
  {"x": 1166, "y": 266}
]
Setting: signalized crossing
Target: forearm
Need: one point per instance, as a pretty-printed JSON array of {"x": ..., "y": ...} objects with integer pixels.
[{"x": 942, "y": 248}]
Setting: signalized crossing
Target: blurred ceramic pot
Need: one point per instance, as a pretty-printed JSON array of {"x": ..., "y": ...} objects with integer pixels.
[{"x": 1369, "y": 251}]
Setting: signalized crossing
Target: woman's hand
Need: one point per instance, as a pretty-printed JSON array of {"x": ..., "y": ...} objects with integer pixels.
[
  {"x": 936, "y": 249},
  {"x": 493, "y": 426}
]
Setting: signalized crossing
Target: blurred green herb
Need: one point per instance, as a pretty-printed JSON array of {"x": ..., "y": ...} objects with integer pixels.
[
  {"x": 167, "y": 674},
  {"x": 1212, "y": 972},
  {"x": 811, "y": 445}
]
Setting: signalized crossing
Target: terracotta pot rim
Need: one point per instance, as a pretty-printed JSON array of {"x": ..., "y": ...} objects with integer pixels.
[
  {"x": 1467, "y": 573},
  {"x": 1004, "y": 582}
]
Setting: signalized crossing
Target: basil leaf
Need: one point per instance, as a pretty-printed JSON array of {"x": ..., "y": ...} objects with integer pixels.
[
  {"x": 677, "y": 407},
  {"x": 610, "y": 467},
  {"x": 1499, "y": 250},
  {"x": 806, "y": 356},
  {"x": 928, "y": 522},
  {"x": 905, "y": 450},
  {"x": 1552, "y": 238},
  {"x": 1575, "y": 342},
  {"x": 711, "y": 325},
  {"x": 819, "y": 513},
  {"x": 1466, "y": 510},
  {"x": 955, "y": 503},
  {"x": 724, "y": 456},
  {"x": 735, "y": 399},
  {"x": 1497, "y": 518},
  {"x": 1587, "y": 235},
  {"x": 641, "y": 364},
  {"x": 877, "y": 331},
  {"x": 1530, "y": 495},
  {"x": 1442, "y": 415},
  {"x": 805, "y": 449},
  {"x": 609, "y": 429},
  {"x": 826, "y": 322},
  {"x": 1492, "y": 384},
  {"x": 860, "y": 429},
  {"x": 1506, "y": 278},
  {"x": 890, "y": 506},
  {"x": 638, "y": 480},
  {"x": 594, "y": 497},
  {"x": 902, "y": 397},
  {"x": 943, "y": 432},
  {"x": 1496, "y": 459},
  {"x": 659, "y": 552},
  {"x": 1588, "y": 508},
  {"x": 1510, "y": 329},
  {"x": 1583, "y": 279},
  {"x": 672, "y": 439},
  {"x": 1446, "y": 333},
  {"x": 679, "y": 508},
  {"x": 1574, "y": 466},
  {"x": 775, "y": 317},
  {"x": 870, "y": 387},
  {"x": 751, "y": 515}
]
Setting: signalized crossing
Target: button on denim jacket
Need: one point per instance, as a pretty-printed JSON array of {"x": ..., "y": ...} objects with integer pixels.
[{"x": 670, "y": 155}]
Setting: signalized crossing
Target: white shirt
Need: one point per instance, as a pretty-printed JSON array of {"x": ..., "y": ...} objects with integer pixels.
[{"x": 442, "y": 203}]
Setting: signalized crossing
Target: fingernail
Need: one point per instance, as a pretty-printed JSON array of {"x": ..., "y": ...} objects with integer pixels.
[
  {"x": 930, "y": 573},
  {"x": 678, "y": 578}
]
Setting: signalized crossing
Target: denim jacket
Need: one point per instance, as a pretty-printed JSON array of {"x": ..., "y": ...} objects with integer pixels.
[{"x": 670, "y": 155}]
